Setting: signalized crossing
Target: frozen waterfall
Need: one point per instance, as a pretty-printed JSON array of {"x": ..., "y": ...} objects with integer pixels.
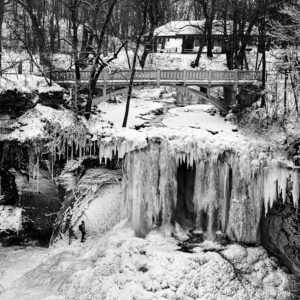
[{"x": 200, "y": 188}]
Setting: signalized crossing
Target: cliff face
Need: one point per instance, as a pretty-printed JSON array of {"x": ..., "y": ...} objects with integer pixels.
[
  {"x": 281, "y": 234},
  {"x": 28, "y": 190}
]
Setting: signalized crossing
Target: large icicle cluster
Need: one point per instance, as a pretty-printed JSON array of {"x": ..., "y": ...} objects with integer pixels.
[{"x": 231, "y": 190}]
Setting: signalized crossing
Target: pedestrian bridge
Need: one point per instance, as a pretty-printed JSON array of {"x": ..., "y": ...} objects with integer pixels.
[
  {"x": 176, "y": 78},
  {"x": 160, "y": 77}
]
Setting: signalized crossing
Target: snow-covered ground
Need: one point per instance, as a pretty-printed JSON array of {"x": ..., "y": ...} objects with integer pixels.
[
  {"x": 120, "y": 266},
  {"x": 27, "y": 84},
  {"x": 34, "y": 124},
  {"x": 145, "y": 101}
]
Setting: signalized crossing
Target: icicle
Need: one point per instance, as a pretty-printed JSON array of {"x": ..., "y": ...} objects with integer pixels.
[
  {"x": 72, "y": 148},
  {"x": 227, "y": 196},
  {"x": 296, "y": 191}
]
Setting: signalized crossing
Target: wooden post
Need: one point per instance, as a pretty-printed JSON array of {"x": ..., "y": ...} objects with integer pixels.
[
  {"x": 158, "y": 78},
  {"x": 184, "y": 77},
  {"x": 209, "y": 78},
  {"x": 105, "y": 78},
  {"x": 236, "y": 84}
]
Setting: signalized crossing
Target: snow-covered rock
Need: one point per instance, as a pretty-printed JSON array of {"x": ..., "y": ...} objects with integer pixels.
[{"x": 10, "y": 218}]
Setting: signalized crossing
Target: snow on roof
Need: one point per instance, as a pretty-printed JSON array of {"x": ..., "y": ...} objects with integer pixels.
[
  {"x": 193, "y": 27},
  {"x": 174, "y": 28},
  {"x": 27, "y": 83}
]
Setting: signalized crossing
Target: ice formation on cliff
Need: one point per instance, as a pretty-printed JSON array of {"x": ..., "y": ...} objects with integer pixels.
[{"x": 231, "y": 191}]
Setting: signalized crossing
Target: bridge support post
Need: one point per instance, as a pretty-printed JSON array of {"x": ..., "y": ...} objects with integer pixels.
[
  {"x": 229, "y": 95},
  {"x": 158, "y": 78}
]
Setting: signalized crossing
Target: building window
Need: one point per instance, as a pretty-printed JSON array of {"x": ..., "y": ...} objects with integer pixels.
[{"x": 197, "y": 42}]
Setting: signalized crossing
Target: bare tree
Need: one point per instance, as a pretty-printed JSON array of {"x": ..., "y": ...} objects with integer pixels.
[
  {"x": 98, "y": 63},
  {"x": 287, "y": 35},
  {"x": 157, "y": 15},
  {"x": 142, "y": 14},
  {"x": 2, "y": 4},
  {"x": 209, "y": 13},
  {"x": 38, "y": 28}
]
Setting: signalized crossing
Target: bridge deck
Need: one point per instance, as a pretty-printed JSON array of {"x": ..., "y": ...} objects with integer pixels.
[{"x": 161, "y": 77}]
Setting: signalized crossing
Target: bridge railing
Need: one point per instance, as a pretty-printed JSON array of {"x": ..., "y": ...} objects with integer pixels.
[
  {"x": 163, "y": 75},
  {"x": 225, "y": 75},
  {"x": 196, "y": 75},
  {"x": 171, "y": 75},
  {"x": 250, "y": 75}
]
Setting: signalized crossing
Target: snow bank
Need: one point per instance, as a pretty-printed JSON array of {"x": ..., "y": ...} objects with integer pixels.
[
  {"x": 10, "y": 218},
  {"x": 27, "y": 83},
  {"x": 37, "y": 123},
  {"x": 121, "y": 266},
  {"x": 138, "y": 107}
]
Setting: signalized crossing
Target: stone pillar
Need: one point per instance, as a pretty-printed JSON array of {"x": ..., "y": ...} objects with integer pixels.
[
  {"x": 179, "y": 98},
  {"x": 229, "y": 95}
]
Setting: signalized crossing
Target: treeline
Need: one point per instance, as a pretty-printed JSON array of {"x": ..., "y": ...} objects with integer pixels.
[
  {"x": 94, "y": 32},
  {"x": 60, "y": 26}
]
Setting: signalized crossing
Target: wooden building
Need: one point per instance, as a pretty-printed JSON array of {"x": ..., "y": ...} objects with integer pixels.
[{"x": 187, "y": 36}]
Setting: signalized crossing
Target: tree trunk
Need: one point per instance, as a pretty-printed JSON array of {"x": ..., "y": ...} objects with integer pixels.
[
  {"x": 199, "y": 53},
  {"x": 74, "y": 20},
  {"x": 209, "y": 39},
  {"x": 1, "y": 22},
  {"x": 264, "y": 63},
  {"x": 245, "y": 40},
  {"x": 138, "y": 42},
  {"x": 294, "y": 92},
  {"x": 285, "y": 91},
  {"x": 131, "y": 83},
  {"x": 148, "y": 48},
  {"x": 95, "y": 73},
  {"x": 39, "y": 33}
]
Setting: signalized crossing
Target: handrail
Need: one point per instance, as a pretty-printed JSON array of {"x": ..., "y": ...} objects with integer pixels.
[{"x": 165, "y": 75}]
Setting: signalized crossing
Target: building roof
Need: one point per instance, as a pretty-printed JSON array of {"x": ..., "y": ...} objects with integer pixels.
[
  {"x": 193, "y": 27},
  {"x": 174, "y": 28}
]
